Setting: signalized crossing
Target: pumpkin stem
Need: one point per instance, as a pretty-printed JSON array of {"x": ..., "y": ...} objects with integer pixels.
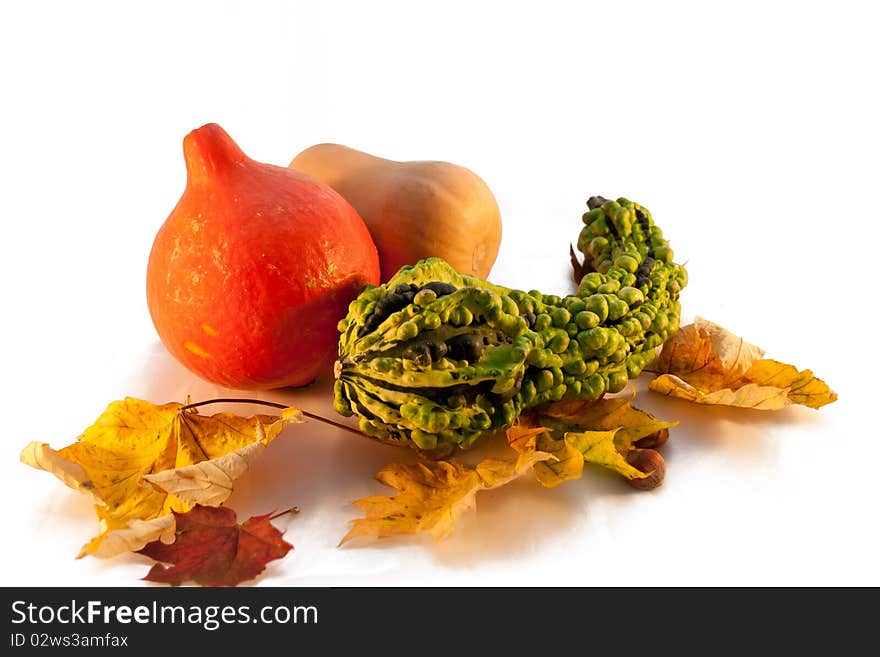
[{"x": 208, "y": 151}]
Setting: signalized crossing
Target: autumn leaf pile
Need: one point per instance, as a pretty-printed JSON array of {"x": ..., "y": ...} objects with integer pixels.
[
  {"x": 159, "y": 474},
  {"x": 147, "y": 466}
]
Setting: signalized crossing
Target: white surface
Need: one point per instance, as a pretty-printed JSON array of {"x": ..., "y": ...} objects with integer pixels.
[{"x": 750, "y": 132}]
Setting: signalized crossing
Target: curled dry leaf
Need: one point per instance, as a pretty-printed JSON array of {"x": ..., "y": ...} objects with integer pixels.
[
  {"x": 704, "y": 351},
  {"x": 707, "y": 364},
  {"x": 433, "y": 495},
  {"x": 130, "y": 538},
  {"x": 602, "y": 432},
  {"x": 208, "y": 482},
  {"x": 133, "y": 439},
  {"x": 212, "y": 549}
]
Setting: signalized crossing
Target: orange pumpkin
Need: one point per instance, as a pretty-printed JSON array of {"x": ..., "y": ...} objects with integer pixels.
[{"x": 254, "y": 267}]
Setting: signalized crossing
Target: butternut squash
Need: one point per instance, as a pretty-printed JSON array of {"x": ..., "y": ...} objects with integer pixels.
[{"x": 413, "y": 210}]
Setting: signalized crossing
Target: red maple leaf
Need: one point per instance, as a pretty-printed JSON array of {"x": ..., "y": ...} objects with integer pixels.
[{"x": 212, "y": 549}]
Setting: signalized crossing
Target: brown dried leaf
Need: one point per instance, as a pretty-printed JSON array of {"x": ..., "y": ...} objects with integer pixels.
[
  {"x": 706, "y": 364},
  {"x": 208, "y": 482},
  {"x": 135, "y": 534},
  {"x": 706, "y": 352}
]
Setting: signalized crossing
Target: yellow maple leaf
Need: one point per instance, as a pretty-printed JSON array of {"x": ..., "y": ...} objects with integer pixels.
[
  {"x": 707, "y": 364},
  {"x": 607, "y": 414},
  {"x": 433, "y": 495},
  {"x": 601, "y": 448},
  {"x": 134, "y": 439},
  {"x": 570, "y": 452},
  {"x": 574, "y": 433},
  {"x": 567, "y": 462}
]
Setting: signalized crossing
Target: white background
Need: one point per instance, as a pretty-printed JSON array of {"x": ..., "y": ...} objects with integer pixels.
[{"x": 750, "y": 131}]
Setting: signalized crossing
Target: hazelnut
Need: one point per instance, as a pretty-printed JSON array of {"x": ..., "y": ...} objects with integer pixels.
[
  {"x": 654, "y": 440},
  {"x": 650, "y": 461}
]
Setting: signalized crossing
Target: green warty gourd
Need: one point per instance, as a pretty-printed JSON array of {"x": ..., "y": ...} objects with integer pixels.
[{"x": 435, "y": 359}]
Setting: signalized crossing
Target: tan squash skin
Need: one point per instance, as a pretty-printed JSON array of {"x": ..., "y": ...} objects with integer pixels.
[{"x": 414, "y": 210}]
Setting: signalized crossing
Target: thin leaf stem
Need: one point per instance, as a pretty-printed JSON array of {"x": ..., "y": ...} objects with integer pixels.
[
  {"x": 239, "y": 400},
  {"x": 294, "y": 510},
  {"x": 232, "y": 400}
]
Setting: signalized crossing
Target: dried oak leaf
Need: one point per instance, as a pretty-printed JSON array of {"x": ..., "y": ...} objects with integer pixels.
[
  {"x": 433, "y": 495},
  {"x": 575, "y": 433},
  {"x": 136, "y": 462},
  {"x": 707, "y": 364},
  {"x": 212, "y": 549}
]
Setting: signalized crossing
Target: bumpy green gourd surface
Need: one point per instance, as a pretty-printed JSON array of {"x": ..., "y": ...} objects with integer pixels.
[{"x": 435, "y": 359}]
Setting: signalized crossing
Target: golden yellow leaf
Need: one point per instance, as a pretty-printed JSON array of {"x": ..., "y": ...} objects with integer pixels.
[
  {"x": 707, "y": 364},
  {"x": 433, "y": 495},
  {"x": 571, "y": 452},
  {"x": 567, "y": 462},
  {"x": 210, "y": 482},
  {"x": 523, "y": 437},
  {"x": 601, "y": 432},
  {"x": 607, "y": 414},
  {"x": 601, "y": 448},
  {"x": 133, "y": 439}
]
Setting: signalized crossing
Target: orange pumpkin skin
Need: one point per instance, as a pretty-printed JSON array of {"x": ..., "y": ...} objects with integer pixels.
[{"x": 254, "y": 267}]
